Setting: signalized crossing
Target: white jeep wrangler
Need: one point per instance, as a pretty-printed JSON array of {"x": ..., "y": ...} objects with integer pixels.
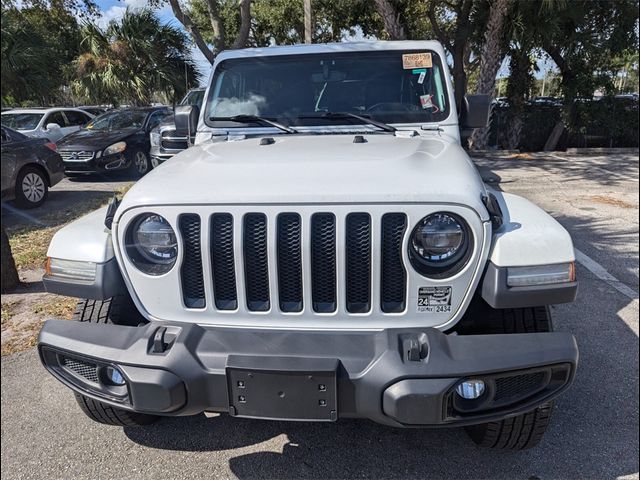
[{"x": 325, "y": 249}]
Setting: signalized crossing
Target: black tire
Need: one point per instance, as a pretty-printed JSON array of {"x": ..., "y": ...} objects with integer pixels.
[
  {"x": 140, "y": 167},
  {"x": 526, "y": 430},
  {"x": 118, "y": 310},
  {"x": 32, "y": 187}
]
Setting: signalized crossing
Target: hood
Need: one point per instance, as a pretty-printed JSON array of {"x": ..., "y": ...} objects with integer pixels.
[
  {"x": 87, "y": 139},
  {"x": 299, "y": 169}
]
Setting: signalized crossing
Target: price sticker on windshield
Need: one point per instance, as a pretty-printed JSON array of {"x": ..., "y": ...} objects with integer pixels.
[{"x": 416, "y": 60}]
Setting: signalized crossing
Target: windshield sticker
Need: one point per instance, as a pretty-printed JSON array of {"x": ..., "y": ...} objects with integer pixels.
[
  {"x": 434, "y": 299},
  {"x": 427, "y": 102},
  {"x": 416, "y": 60},
  {"x": 421, "y": 78}
]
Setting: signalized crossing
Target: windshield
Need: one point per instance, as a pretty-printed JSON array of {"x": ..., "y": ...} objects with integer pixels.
[
  {"x": 193, "y": 98},
  {"x": 118, "y": 120},
  {"x": 21, "y": 121},
  {"x": 389, "y": 86}
]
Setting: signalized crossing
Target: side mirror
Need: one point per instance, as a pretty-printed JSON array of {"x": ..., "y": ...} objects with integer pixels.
[
  {"x": 186, "y": 120},
  {"x": 53, "y": 126},
  {"x": 475, "y": 111}
]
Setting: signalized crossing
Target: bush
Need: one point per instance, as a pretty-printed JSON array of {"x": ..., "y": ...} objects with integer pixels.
[{"x": 608, "y": 122}]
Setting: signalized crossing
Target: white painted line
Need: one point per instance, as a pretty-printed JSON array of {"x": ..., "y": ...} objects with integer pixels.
[{"x": 602, "y": 273}]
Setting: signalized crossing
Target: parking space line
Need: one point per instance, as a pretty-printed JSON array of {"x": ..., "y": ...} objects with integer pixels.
[{"x": 602, "y": 273}]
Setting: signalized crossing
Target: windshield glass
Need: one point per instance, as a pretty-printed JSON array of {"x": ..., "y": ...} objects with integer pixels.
[
  {"x": 389, "y": 86},
  {"x": 193, "y": 98},
  {"x": 21, "y": 121},
  {"x": 118, "y": 120}
]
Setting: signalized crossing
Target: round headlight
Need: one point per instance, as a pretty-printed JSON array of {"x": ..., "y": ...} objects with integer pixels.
[
  {"x": 152, "y": 244},
  {"x": 440, "y": 244}
]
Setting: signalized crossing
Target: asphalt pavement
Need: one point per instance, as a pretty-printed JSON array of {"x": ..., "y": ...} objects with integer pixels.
[{"x": 593, "y": 434}]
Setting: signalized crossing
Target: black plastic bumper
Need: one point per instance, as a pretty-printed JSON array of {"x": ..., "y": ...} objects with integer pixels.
[{"x": 396, "y": 377}]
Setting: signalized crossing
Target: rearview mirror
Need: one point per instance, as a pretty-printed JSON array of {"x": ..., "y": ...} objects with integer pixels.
[
  {"x": 186, "y": 120},
  {"x": 475, "y": 111},
  {"x": 53, "y": 126}
]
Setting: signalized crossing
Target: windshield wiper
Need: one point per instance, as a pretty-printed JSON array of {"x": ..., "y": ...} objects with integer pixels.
[
  {"x": 255, "y": 118},
  {"x": 343, "y": 115}
]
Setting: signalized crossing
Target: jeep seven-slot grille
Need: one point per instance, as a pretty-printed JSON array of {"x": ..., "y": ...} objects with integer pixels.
[
  {"x": 308, "y": 271},
  {"x": 191, "y": 270}
]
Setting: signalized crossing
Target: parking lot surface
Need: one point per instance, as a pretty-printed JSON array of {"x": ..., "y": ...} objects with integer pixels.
[{"x": 594, "y": 432}]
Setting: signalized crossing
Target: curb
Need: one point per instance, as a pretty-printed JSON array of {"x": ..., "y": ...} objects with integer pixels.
[{"x": 602, "y": 150}]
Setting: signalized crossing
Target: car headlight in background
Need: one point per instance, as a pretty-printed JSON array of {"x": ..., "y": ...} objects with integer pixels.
[
  {"x": 440, "y": 245},
  {"x": 117, "y": 147},
  {"x": 154, "y": 138},
  {"x": 151, "y": 244}
]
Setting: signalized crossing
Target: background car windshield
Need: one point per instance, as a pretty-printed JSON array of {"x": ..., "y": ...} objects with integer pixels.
[
  {"x": 21, "y": 121},
  {"x": 389, "y": 86},
  {"x": 118, "y": 120},
  {"x": 193, "y": 98}
]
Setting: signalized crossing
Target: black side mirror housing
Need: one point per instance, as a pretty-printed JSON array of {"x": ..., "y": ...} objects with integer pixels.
[
  {"x": 475, "y": 112},
  {"x": 186, "y": 120}
]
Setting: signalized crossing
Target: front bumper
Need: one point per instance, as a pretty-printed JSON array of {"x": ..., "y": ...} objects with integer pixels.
[
  {"x": 106, "y": 163},
  {"x": 395, "y": 377}
]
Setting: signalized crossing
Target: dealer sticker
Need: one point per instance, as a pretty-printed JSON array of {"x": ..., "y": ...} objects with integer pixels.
[
  {"x": 434, "y": 299},
  {"x": 416, "y": 60}
]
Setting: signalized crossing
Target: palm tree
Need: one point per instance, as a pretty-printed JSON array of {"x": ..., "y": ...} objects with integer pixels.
[{"x": 132, "y": 60}]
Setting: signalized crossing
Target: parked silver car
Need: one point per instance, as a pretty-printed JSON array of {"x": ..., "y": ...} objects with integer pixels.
[
  {"x": 164, "y": 141},
  {"x": 29, "y": 167},
  {"x": 51, "y": 123}
]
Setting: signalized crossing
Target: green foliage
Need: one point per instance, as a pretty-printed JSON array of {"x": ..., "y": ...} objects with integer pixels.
[
  {"x": 38, "y": 43},
  {"x": 281, "y": 22},
  {"x": 608, "y": 122},
  {"x": 131, "y": 60}
]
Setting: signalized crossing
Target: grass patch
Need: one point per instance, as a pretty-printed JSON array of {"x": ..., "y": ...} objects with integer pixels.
[
  {"x": 57, "y": 307},
  {"x": 8, "y": 310},
  {"x": 28, "y": 338}
]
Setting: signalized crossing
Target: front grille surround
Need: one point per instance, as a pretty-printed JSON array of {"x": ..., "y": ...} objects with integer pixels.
[
  {"x": 281, "y": 313},
  {"x": 76, "y": 156}
]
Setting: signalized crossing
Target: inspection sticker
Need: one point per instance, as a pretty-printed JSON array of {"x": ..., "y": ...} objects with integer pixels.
[
  {"x": 416, "y": 60},
  {"x": 434, "y": 299}
]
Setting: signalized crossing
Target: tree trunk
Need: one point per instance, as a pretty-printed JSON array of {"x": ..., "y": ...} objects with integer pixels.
[
  {"x": 459, "y": 75},
  {"x": 9, "y": 273},
  {"x": 491, "y": 58},
  {"x": 391, "y": 19}
]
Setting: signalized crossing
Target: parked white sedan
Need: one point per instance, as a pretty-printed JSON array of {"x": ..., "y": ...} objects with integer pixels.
[{"x": 52, "y": 123}]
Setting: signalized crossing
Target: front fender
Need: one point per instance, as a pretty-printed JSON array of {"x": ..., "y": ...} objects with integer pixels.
[
  {"x": 86, "y": 240},
  {"x": 529, "y": 236}
]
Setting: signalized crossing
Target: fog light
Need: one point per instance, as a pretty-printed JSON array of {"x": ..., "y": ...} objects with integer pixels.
[
  {"x": 114, "y": 376},
  {"x": 470, "y": 389}
]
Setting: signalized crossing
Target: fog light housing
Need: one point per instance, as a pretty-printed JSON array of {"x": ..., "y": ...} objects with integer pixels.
[
  {"x": 471, "y": 389},
  {"x": 114, "y": 376}
]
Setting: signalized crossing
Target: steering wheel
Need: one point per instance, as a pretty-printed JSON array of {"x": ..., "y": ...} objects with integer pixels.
[{"x": 392, "y": 107}]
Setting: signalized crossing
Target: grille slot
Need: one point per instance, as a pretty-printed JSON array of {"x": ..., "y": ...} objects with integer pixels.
[
  {"x": 256, "y": 268},
  {"x": 191, "y": 269},
  {"x": 222, "y": 262},
  {"x": 75, "y": 156},
  {"x": 517, "y": 386},
  {"x": 393, "y": 279},
  {"x": 86, "y": 370},
  {"x": 358, "y": 262},
  {"x": 323, "y": 262},
  {"x": 290, "y": 262}
]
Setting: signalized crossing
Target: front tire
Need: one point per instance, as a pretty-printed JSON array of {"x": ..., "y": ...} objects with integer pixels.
[
  {"x": 31, "y": 187},
  {"x": 118, "y": 310},
  {"x": 140, "y": 164},
  {"x": 523, "y": 431}
]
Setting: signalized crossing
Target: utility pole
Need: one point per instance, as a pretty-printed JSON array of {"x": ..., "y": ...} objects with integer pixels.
[{"x": 308, "y": 24}]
